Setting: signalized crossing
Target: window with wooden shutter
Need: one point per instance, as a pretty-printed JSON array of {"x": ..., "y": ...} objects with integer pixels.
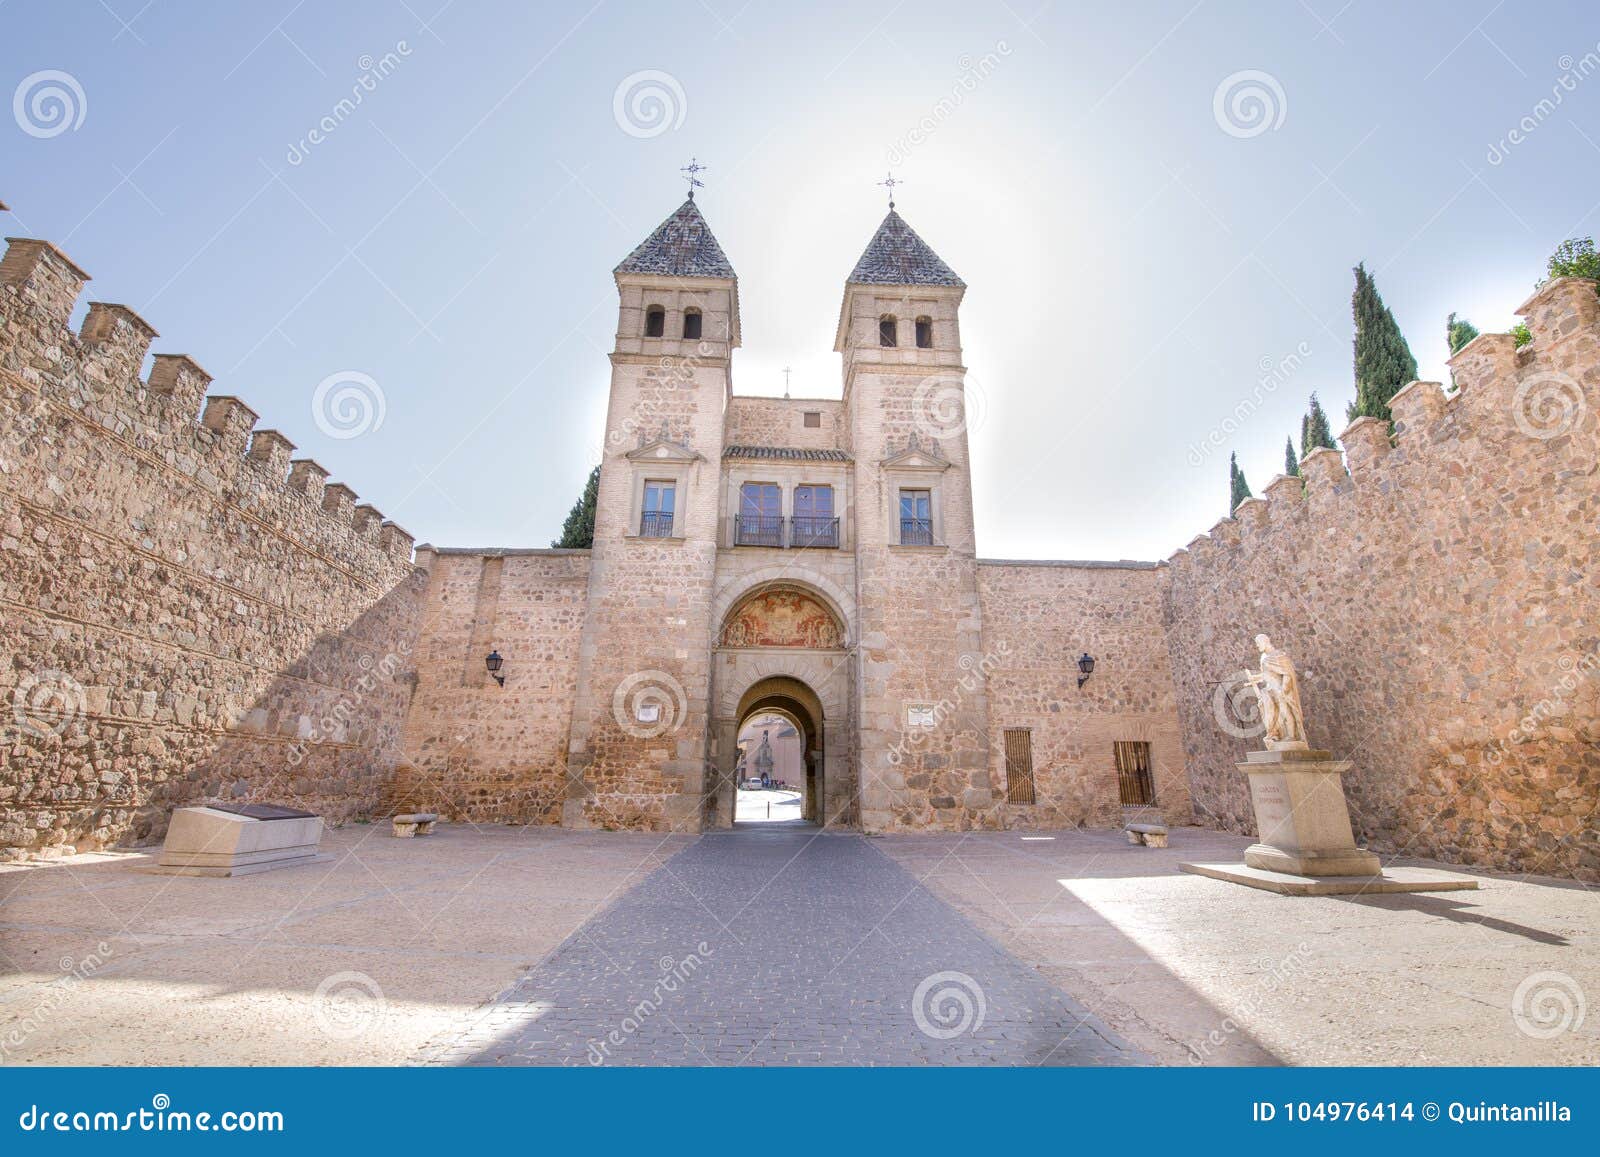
[
  {"x": 1019, "y": 765},
  {"x": 1134, "y": 782}
]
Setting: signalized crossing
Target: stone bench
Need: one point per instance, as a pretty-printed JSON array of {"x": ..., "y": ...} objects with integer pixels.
[
  {"x": 1151, "y": 835},
  {"x": 416, "y": 824}
]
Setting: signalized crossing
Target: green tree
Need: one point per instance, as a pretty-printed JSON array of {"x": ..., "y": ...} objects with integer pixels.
[
  {"x": 1238, "y": 488},
  {"x": 1522, "y": 334},
  {"x": 1314, "y": 429},
  {"x": 1458, "y": 332},
  {"x": 578, "y": 531},
  {"x": 1574, "y": 257},
  {"x": 1383, "y": 361},
  {"x": 1291, "y": 464}
]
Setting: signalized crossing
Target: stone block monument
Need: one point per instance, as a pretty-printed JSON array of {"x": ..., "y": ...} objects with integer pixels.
[
  {"x": 1305, "y": 842},
  {"x": 237, "y": 839}
]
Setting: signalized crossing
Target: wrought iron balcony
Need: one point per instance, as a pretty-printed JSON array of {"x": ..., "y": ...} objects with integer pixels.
[
  {"x": 916, "y": 531},
  {"x": 757, "y": 530},
  {"x": 814, "y": 530},
  {"x": 655, "y": 524},
  {"x": 798, "y": 533}
]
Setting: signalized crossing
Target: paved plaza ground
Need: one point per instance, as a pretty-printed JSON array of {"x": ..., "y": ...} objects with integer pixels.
[{"x": 777, "y": 944}]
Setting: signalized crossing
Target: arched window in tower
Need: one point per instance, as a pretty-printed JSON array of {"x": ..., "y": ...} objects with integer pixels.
[
  {"x": 888, "y": 331},
  {"x": 691, "y": 323},
  {"x": 924, "y": 333},
  {"x": 655, "y": 321}
]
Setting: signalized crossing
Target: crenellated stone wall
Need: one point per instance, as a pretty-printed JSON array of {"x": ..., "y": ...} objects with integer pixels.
[
  {"x": 184, "y": 615},
  {"x": 1442, "y": 600}
]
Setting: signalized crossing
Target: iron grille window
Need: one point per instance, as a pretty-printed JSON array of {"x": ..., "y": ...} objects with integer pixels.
[
  {"x": 1135, "y": 784},
  {"x": 1019, "y": 765}
]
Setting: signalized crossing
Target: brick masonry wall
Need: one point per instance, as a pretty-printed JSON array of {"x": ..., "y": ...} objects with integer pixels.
[
  {"x": 183, "y": 618},
  {"x": 1442, "y": 600},
  {"x": 475, "y": 750},
  {"x": 1037, "y": 619},
  {"x": 781, "y": 422}
]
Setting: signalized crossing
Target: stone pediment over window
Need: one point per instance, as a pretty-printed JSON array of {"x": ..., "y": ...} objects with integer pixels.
[
  {"x": 662, "y": 450},
  {"x": 917, "y": 456},
  {"x": 782, "y": 617}
]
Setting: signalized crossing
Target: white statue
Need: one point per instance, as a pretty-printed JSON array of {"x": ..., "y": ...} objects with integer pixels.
[{"x": 1278, "y": 687}]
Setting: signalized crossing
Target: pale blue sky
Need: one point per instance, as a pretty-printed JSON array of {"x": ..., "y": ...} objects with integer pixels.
[{"x": 1131, "y": 264}]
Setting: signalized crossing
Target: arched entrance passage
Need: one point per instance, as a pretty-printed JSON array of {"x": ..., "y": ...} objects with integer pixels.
[
  {"x": 789, "y": 699},
  {"x": 783, "y": 645}
]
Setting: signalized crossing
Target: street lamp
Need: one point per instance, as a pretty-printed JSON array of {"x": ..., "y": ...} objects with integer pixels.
[
  {"x": 493, "y": 662},
  {"x": 1086, "y": 667}
]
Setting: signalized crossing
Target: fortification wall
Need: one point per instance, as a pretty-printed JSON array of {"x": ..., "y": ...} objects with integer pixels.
[
  {"x": 476, "y": 750},
  {"x": 187, "y": 616},
  {"x": 1442, "y": 600},
  {"x": 1037, "y": 619}
]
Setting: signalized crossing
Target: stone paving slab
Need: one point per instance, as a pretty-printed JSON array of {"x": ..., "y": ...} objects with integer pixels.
[{"x": 780, "y": 947}]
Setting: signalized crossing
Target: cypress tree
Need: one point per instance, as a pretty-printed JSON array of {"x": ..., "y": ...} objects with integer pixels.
[
  {"x": 1291, "y": 464},
  {"x": 1238, "y": 488},
  {"x": 1314, "y": 431},
  {"x": 1458, "y": 332},
  {"x": 1383, "y": 361},
  {"x": 578, "y": 531}
]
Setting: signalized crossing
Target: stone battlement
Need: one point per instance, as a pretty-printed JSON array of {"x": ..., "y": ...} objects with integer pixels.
[
  {"x": 1436, "y": 587},
  {"x": 94, "y": 373},
  {"x": 188, "y": 614}
]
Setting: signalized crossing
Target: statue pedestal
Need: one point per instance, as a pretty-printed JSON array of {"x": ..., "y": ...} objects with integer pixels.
[
  {"x": 1301, "y": 817},
  {"x": 1306, "y": 847}
]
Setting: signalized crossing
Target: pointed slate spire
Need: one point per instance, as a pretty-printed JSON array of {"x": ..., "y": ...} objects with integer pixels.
[
  {"x": 681, "y": 246},
  {"x": 897, "y": 256}
]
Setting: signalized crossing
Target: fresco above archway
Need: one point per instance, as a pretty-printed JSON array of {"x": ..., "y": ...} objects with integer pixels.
[{"x": 781, "y": 618}]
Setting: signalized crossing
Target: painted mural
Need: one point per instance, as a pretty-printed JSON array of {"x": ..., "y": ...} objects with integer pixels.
[{"x": 782, "y": 618}]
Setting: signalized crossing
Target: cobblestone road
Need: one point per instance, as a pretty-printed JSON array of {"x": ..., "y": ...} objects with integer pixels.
[{"x": 781, "y": 947}]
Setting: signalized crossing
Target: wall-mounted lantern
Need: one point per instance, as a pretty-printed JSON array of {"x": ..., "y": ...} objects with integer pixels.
[
  {"x": 494, "y": 662},
  {"x": 1085, "y": 667}
]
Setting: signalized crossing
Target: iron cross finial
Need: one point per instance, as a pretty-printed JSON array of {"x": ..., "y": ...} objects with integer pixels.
[
  {"x": 889, "y": 183},
  {"x": 691, "y": 173},
  {"x": 786, "y": 381}
]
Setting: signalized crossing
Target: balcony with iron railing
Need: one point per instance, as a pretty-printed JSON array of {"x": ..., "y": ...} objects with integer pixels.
[
  {"x": 798, "y": 533},
  {"x": 916, "y": 531},
  {"x": 655, "y": 524}
]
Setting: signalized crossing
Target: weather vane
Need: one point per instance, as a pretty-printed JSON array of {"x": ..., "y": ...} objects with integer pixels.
[
  {"x": 889, "y": 183},
  {"x": 691, "y": 173}
]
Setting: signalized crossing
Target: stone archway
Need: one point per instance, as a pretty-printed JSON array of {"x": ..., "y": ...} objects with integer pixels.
[{"x": 794, "y": 701}]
